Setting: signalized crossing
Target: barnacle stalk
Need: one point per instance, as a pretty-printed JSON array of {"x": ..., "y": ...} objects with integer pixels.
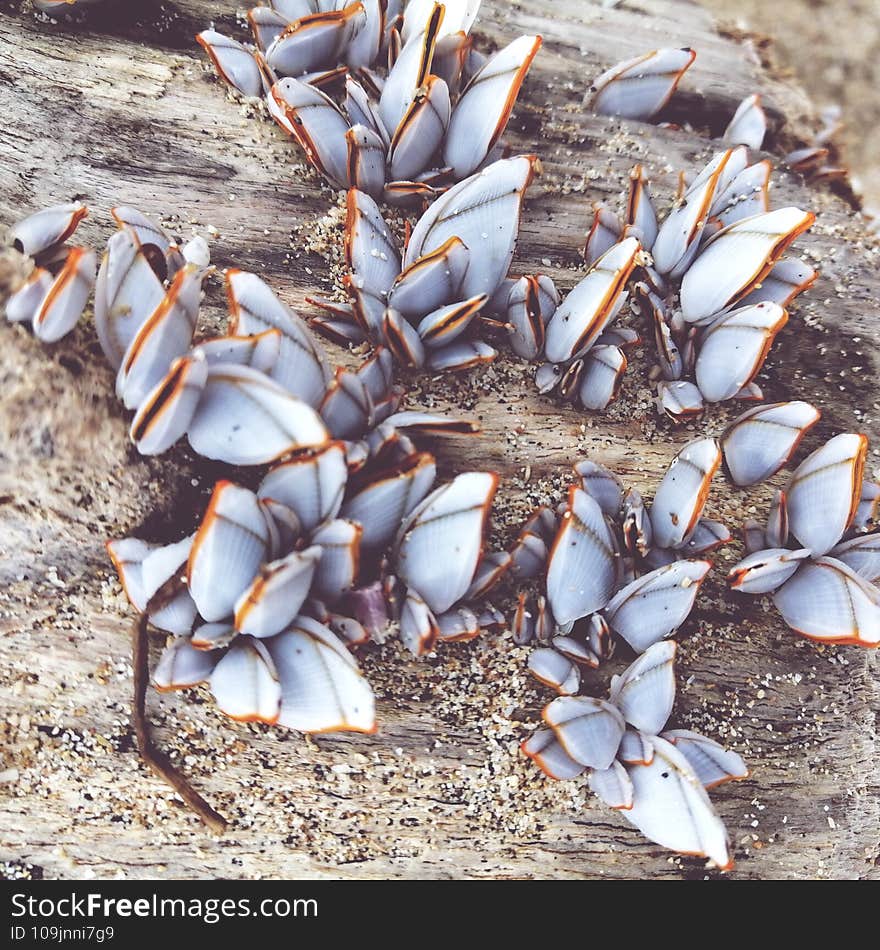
[{"x": 152, "y": 756}]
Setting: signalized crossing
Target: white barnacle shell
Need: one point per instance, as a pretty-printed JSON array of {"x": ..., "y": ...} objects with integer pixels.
[
  {"x": 460, "y": 355},
  {"x": 402, "y": 339},
  {"x": 458, "y": 625},
  {"x": 707, "y": 536},
  {"x": 347, "y": 406},
  {"x": 229, "y": 547},
  {"x": 869, "y": 503},
  {"x": 381, "y": 505},
  {"x": 645, "y": 692},
  {"x": 261, "y": 351},
  {"x": 576, "y": 651},
  {"x": 601, "y": 485},
  {"x": 440, "y": 544},
  {"x": 372, "y": 256},
  {"x": 785, "y": 280},
  {"x": 446, "y": 324},
  {"x": 604, "y": 367},
  {"x": 483, "y": 213},
  {"x": 410, "y": 70},
  {"x": 545, "y": 750},
  {"x": 824, "y": 491},
  {"x": 493, "y": 566},
  {"x": 421, "y": 130},
  {"x": 671, "y": 807},
  {"x": 745, "y": 195},
  {"x": 682, "y": 493},
  {"x": 268, "y": 23},
  {"x": 734, "y": 347},
  {"x": 245, "y": 683},
  {"x": 145, "y": 568},
  {"x": 712, "y": 763},
  {"x": 301, "y": 367},
  {"x": 523, "y": 624},
  {"x": 182, "y": 665},
  {"x": 635, "y": 748},
  {"x": 62, "y": 306},
  {"x": 311, "y": 484},
  {"x": 734, "y": 260},
  {"x": 828, "y": 601},
  {"x": 458, "y": 17},
  {"x": 759, "y": 442},
  {"x": 777, "y": 529},
  {"x": 591, "y": 305},
  {"x": 47, "y": 228},
  {"x": 366, "y": 160},
  {"x": 555, "y": 670},
  {"x": 588, "y": 729},
  {"x": 763, "y": 572},
  {"x": 638, "y": 88},
  {"x": 366, "y": 43},
  {"x": 655, "y": 605},
  {"x": 246, "y": 418},
  {"x": 862, "y": 554},
  {"x": 640, "y": 211},
  {"x": 235, "y": 63},
  {"x": 362, "y": 110},
  {"x": 315, "y": 42},
  {"x": 25, "y": 302},
  {"x": 322, "y": 689},
  {"x": 127, "y": 292},
  {"x": 678, "y": 237},
  {"x": 748, "y": 125},
  {"x": 213, "y": 636},
  {"x": 426, "y": 423},
  {"x": 604, "y": 233},
  {"x": 432, "y": 280},
  {"x": 166, "y": 413},
  {"x": 680, "y": 399},
  {"x": 481, "y": 114},
  {"x": 527, "y": 305},
  {"x": 277, "y": 593},
  {"x": 318, "y": 125},
  {"x": 582, "y": 569},
  {"x": 165, "y": 335},
  {"x": 419, "y": 629},
  {"x": 613, "y": 786},
  {"x": 337, "y": 571},
  {"x": 529, "y": 555}
]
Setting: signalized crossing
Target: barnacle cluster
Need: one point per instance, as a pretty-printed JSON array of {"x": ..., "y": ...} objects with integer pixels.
[
  {"x": 346, "y": 536},
  {"x": 429, "y": 118}
]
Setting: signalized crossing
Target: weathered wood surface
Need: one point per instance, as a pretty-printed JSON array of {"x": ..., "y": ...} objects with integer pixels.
[{"x": 121, "y": 110}]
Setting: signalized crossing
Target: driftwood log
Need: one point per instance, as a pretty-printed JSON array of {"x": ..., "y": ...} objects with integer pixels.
[{"x": 120, "y": 108}]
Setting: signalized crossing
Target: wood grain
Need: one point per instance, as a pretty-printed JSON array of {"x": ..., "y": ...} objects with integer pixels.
[{"x": 119, "y": 108}]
